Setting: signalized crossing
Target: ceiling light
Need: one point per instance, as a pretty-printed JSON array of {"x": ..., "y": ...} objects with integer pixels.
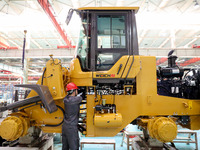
[{"x": 163, "y": 3}]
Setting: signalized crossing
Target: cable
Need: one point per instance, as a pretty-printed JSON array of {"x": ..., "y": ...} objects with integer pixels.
[
  {"x": 55, "y": 125},
  {"x": 114, "y": 98},
  {"x": 186, "y": 74},
  {"x": 29, "y": 106},
  {"x": 49, "y": 76},
  {"x": 54, "y": 62},
  {"x": 57, "y": 63},
  {"x": 43, "y": 76}
]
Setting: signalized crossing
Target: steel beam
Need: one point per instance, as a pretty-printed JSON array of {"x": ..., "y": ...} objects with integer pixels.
[
  {"x": 190, "y": 61},
  {"x": 6, "y": 77},
  {"x": 161, "y": 60},
  {"x": 11, "y": 68},
  {"x": 4, "y": 46},
  {"x": 49, "y": 11},
  {"x": 38, "y": 53},
  {"x": 66, "y": 53}
]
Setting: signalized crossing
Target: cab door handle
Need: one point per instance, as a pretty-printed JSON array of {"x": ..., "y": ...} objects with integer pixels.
[{"x": 120, "y": 67}]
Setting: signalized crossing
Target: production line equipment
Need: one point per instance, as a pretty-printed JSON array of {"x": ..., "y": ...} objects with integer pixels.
[{"x": 119, "y": 86}]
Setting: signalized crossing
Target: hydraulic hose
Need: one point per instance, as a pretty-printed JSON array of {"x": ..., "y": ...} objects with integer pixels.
[
  {"x": 55, "y": 125},
  {"x": 43, "y": 76}
]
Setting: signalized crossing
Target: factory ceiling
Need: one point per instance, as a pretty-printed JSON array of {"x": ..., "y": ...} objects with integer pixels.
[{"x": 162, "y": 25}]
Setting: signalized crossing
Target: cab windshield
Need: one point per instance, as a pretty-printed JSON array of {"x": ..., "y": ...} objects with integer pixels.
[
  {"x": 83, "y": 43},
  {"x": 82, "y": 49}
]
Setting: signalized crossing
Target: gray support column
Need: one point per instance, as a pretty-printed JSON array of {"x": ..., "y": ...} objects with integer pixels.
[{"x": 25, "y": 71}]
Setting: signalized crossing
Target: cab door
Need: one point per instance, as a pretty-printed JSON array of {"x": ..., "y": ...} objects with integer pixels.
[{"x": 112, "y": 41}]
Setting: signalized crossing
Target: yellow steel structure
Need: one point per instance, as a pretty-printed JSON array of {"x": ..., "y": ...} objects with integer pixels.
[{"x": 145, "y": 102}]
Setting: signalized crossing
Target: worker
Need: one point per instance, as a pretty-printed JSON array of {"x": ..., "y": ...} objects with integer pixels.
[{"x": 70, "y": 138}]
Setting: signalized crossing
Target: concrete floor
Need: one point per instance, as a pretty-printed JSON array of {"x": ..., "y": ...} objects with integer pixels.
[{"x": 118, "y": 139}]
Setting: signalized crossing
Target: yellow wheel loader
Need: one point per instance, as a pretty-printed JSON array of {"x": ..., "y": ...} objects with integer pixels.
[{"x": 119, "y": 86}]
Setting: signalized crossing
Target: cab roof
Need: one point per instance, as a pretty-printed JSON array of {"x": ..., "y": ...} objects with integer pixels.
[{"x": 109, "y": 8}]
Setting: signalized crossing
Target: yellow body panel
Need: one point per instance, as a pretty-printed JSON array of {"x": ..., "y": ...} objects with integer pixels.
[
  {"x": 126, "y": 62},
  {"x": 195, "y": 123},
  {"x": 134, "y": 68},
  {"x": 79, "y": 77},
  {"x": 85, "y": 78}
]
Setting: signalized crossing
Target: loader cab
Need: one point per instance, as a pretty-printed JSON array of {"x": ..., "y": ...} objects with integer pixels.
[{"x": 106, "y": 35}]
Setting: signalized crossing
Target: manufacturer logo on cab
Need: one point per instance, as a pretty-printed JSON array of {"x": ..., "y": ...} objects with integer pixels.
[{"x": 105, "y": 75}]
